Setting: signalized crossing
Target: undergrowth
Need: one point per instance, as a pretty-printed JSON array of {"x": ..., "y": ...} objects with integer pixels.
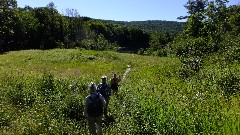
[{"x": 43, "y": 92}]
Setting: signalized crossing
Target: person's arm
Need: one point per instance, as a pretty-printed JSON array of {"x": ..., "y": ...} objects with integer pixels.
[
  {"x": 98, "y": 87},
  {"x": 119, "y": 79},
  {"x": 103, "y": 100},
  {"x": 108, "y": 90},
  {"x": 112, "y": 81}
]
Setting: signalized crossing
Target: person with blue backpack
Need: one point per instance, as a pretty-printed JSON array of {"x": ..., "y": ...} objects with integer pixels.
[
  {"x": 105, "y": 91},
  {"x": 93, "y": 111}
]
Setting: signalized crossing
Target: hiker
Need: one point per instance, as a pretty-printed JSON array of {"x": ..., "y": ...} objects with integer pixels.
[
  {"x": 114, "y": 83},
  {"x": 94, "y": 110},
  {"x": 105, "y": 91}
]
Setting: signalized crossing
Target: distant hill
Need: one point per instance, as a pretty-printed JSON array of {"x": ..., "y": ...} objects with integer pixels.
[{"x": 172, "y": 27}]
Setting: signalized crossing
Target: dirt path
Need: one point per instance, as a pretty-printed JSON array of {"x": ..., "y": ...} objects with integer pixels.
[{"x": 126, "y": 72}]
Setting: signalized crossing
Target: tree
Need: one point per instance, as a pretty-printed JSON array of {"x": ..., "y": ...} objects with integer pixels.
[
  {"x": 158, "y": 40},
  {"x": 217, "y": 18},
  {"x": 7, "y": 4},
  {"x": 52, "y": 28},
  {"x": 8, "y": 21},
  {"x": 234, "y": 19},
  {"x": 25, "y": 36},
  {"x": 196, "y": 9},
  {"x": 76, "y": 29}
]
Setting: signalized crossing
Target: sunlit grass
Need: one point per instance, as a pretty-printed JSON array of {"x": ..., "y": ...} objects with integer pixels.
[{"x": 43, "y": 92}]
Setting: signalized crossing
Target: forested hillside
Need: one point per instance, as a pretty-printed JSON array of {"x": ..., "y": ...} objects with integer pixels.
[
  {"x": 170, "y": 27},
  {"x": 208, "y": 24},
  {"x": 46, "y": 28}
]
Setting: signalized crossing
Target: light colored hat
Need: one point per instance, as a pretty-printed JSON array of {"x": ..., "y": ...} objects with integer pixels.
[
  {"x": 104, "y": 77},
  {"x": 92, "y": 87}
]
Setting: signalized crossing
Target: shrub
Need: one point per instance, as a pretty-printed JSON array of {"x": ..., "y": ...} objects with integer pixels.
[
  {"x": 5, "y": 115},
  {"x": 140, "y": 51},
  {"x": 230, "y": 82},
  {"x": 190, "y": 66},
  {"x": 192, "y": 47},
  {"x": 162, "y": 52},
  {"x": 46, "y": 86},
  {"x": 20, "y": 96},
  {"x": 18, "y": 92},
  {"x": 60, "y": 45},
  {"x": 73, "y": 108},
  {"x": 88, "y": 44},
  {"x": 100, "y": 43},
  {"x": 230, "y": 48}
]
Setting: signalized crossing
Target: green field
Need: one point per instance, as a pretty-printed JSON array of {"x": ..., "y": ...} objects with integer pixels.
[{"x": 43, "y": 92}]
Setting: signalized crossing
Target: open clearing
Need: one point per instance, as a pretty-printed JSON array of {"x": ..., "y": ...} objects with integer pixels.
[{"x": 154, "y": 99}]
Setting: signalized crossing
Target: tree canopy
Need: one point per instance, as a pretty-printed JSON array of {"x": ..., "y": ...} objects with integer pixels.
[
  {"x": 209, "y": 24},
  {"x": 46, "y": 28}
]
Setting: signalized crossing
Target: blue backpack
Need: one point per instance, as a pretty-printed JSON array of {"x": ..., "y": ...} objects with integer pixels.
[
  {"x": 95, "y": 107},
  {"x": 103, "y": 91}
]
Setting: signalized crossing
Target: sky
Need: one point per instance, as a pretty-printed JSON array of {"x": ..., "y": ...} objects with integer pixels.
[{"x": 120, "y": 10}]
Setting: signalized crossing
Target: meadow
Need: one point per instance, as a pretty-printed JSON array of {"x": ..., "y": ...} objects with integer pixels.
[{"x": 43, "y": 92}]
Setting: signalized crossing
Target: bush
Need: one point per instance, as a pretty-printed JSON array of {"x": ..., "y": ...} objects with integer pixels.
[
  {"x": 100, "y": 43},
  {"x": 18, "y": 92},
  {"x": 190, "y": 66},
  {"x": 162, "y": 52},
  {"x": 5, "y": 115},
  {"x": 46, "y": 86},
  {"x": 192, "y": 47},
  {"x": 230, "y": 82},
  {"x": 73, "y": 108},
  {"x": 230, "y": 48},
  {"x": 140, "y": 51},
  {"x": 20, "y": 96}
]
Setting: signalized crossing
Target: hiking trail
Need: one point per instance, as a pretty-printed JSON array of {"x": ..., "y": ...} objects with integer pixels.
[{"x": 126, "y": 72}]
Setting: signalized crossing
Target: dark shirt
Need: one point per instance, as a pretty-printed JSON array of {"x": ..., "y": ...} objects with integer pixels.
[
  {"x": 108, "y": 91},
  {"x": 93, "y": 95}
]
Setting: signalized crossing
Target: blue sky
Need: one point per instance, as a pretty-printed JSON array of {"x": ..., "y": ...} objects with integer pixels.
[{"x": 120, "y": 10}]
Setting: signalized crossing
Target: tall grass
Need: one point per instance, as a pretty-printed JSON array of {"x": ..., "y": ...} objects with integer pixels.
[{"x": 43, "y": 92}]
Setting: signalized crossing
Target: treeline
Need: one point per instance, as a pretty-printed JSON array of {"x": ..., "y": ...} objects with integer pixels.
[
  {"x": 212, "y": 27},
  {"x": 211, "y": 37},
  {"x": 28, "y": 28},
  {"x": 171, "y": 27},
  {"x": 46, "y": 28}
]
